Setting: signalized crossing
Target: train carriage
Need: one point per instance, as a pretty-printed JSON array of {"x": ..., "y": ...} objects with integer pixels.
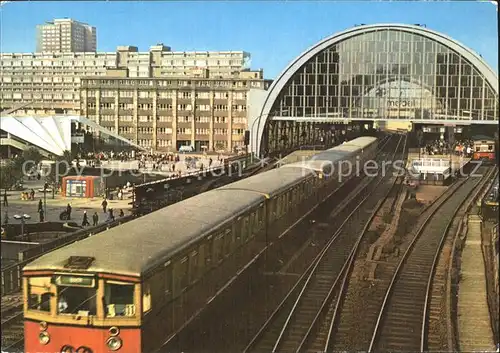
[
  {"x": 143, "y": 272},
  {"x": 130, "y": 288}
]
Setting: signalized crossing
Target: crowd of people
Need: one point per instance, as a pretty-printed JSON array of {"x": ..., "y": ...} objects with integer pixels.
[{"x": 166, "y": 163}]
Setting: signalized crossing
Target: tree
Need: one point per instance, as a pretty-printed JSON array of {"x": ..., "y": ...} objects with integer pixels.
[
  {"x": 61, "y": 167},
  {"x": 32, "y": 154}
]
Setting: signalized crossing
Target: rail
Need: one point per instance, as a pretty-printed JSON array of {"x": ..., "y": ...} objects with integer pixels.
[
  {"x": 405, "y": 257},
  {"x": 12, "y": 275},
  {"x": 469, "y": 201},
  {"x": 398, "y": 183}
]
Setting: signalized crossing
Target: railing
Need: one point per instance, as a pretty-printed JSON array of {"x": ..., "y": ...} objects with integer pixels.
[{"x": 12, "y": 275}]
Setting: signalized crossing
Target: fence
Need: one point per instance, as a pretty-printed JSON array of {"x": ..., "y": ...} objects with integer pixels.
[{"x": 12, "y": 275}]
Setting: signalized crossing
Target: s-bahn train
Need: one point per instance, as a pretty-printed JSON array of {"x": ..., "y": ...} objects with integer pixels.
[
  {"x": 484, "y": 150},
  {"x": 130, "y": 288}
]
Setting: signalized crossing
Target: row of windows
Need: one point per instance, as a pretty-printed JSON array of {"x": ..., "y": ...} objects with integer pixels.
[
  {"x": 163, "y": 94},
  {"x": 163, "y": 106}
]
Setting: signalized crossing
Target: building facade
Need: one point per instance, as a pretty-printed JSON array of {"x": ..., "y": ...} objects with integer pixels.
[
  {"x": 163, "y": 114},
  {"x": 49, "y": 83},
  {"x": 66, "y": 35},
  {"x": 383, "y": 72}
]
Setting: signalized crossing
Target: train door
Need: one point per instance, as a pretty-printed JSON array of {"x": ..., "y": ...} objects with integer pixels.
[
  {"x": 181, "y": 278},
  {"x": 169, "y": 295}
]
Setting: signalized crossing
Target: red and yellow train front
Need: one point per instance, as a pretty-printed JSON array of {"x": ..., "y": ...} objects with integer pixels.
[{"x": 70, "y": 313}]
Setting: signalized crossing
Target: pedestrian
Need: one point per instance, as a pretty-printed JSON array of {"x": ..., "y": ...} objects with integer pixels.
[
  {"x": 95, "y": 218},
  {"x": 120, "y": 195},
  {"x": 68, "y": 211},
  {"x": 121, "y": 213},
  {"x": 104, "y": 205},
  {"x": 5, "y": 202},
  {"x": 40, "y": 205},
  {"x": 32, "y": 194},
  {"x": 40, "y": 213},
  {"x": 85, "y": 221},
  {"x": 111, "y": 217}
]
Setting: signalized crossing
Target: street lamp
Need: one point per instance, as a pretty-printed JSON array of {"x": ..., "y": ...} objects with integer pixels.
[
  {"x": 22, "y": 219},
  {"x": 45, "y": 187}
]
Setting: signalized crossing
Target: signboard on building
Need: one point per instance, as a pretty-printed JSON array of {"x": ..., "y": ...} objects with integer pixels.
[{"x": 77, "y": 137}]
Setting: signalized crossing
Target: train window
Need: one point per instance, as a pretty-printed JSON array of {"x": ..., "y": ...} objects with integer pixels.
[
  {"x": 478, "y": 149},
  {"x": 193, "y": 263},
  {"x": 119, "y": 299},
  {"x": 209, "y": 250},
  {"x": 490, "y": 147},
  {"x": 39, "y": 293},
  {"x": 146, "y": 298}
]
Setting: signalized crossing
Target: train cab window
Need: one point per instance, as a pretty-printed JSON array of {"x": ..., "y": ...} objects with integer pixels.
[
  {"x": 478, "y": 149},
  {"x": 39, "y": 293},
  {"x": 146, "y": 298},
  {"x": 119, "y": 299},
  {"x": 76, "y": 300},
  {"x": 490, "y": 147}
]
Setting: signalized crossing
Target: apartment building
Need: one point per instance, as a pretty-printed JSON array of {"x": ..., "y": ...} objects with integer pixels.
[
  {"x": 66, "y": 35},
  {"x": 49, "y": 83},
  {"x": 165, "y": 113}
]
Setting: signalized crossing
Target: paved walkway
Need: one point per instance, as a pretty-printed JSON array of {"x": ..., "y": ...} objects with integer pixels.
[
  {"x": 474, "y": 326},
  {"x": 57, "y": 205}
]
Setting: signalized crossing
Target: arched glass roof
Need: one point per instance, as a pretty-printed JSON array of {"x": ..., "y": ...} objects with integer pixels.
[{"x": 385, "y": 71}]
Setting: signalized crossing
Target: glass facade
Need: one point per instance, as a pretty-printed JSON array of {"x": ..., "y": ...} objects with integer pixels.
[{"x": 388, "y": 74}]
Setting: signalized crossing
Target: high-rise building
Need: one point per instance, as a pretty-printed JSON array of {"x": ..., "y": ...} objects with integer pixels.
[
  {"x": 159, "y": 99},
  {"x": 66, "y": 35},
  {"x": 49, "y": 83}
]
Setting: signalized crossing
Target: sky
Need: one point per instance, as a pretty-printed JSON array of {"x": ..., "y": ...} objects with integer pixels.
[{"x": 273, "y": 32}]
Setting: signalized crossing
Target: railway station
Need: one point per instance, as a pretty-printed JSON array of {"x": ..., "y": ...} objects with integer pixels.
[{"x": 306, "y": 243}]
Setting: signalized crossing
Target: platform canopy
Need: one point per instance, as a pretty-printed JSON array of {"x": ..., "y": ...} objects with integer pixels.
[{"x": 51, "y": 133}]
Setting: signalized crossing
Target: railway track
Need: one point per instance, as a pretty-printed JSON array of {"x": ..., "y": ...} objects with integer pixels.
[
  {"x": 402, "y": 321},
  {"x": 12, "y": 328},
  {"x": 260, "y": 288},
  {"x": 298, "y": 322}
]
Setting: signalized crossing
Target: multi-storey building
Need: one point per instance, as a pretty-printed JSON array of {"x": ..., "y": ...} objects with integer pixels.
[
  {"x": 66, "y": 35},
  {"x": 166, "y": 113},
  {"x": 49, "y": 83}
]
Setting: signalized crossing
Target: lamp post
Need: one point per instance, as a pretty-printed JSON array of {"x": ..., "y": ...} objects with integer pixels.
[
  {"x": 22, "y": 218},
  {"x": 45, "y": 187}
]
